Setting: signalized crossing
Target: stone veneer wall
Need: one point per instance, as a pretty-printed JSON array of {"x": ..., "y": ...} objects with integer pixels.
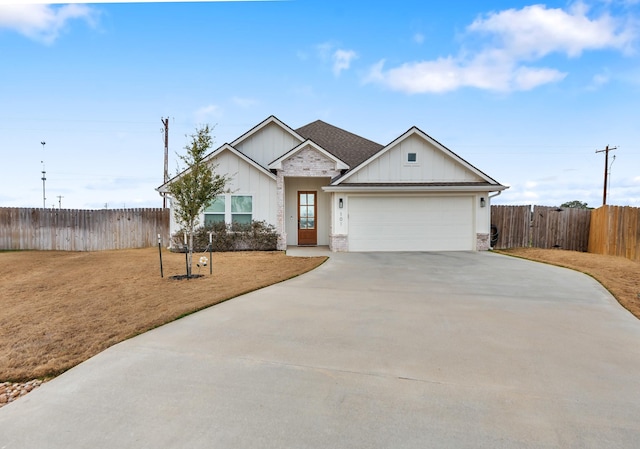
[
  {"x": 338, "y": 243},
  {"x": 307, "y": 162},
  {"x": 482, "y": 242}
]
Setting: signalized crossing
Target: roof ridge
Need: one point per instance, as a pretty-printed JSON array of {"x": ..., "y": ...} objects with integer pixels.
[{"x": 338, "y": 128}]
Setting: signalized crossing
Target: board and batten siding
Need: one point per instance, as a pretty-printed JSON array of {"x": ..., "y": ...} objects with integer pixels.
[
  {"x": 432, "y": 165},
  {"x": 268, "y": 144},
  {"x": 245, "y": 179}
]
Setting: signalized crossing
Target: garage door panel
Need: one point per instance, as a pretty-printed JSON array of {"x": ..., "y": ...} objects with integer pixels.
[{"x": 410, "y": 223}]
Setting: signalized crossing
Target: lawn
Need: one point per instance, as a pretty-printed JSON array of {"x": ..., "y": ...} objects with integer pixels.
[{"x": 60, "y": 308}]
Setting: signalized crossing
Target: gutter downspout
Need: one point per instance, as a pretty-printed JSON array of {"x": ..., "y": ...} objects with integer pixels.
[{"x": 490, "y": 226}]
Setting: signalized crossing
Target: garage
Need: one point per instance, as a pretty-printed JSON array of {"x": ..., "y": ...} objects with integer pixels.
[{"x": 411, "y": 223}]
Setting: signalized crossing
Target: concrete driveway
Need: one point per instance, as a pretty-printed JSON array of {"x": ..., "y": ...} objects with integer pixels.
[{"x": 442, "y": 350}]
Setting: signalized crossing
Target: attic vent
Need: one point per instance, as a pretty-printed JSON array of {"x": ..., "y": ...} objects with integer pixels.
[{"x": 412, "y": 157}]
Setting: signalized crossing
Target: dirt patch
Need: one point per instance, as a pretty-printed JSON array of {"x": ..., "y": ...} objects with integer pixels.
[
  {"x": 618, "y": 275},
  {"x": 60, "y": 308}
]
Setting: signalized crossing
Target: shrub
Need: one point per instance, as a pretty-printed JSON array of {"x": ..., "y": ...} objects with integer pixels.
[{"x": 254, "y": 236}]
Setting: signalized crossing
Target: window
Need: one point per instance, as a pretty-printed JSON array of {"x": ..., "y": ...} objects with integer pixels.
[
  {"x": 229, "y": 208},
  {"x": 241, "y": 209},
  {"x": 214, "y": 213},
  {"x": 412, "y": 157}
]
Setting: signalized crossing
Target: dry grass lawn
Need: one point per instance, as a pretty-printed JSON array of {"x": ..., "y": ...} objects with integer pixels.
[
  {"x": 618, "y": 275},
  {"x": 60, "y": 308}
]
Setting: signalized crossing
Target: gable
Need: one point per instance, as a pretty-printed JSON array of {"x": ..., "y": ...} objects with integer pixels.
[
  {"x": 431, "y": 165},
  {"x": 267, "y": 141},
  {"x": 415, "y": 158},
  {"x": 308, "y": 155},
  {"x": 243, "y": 175}
]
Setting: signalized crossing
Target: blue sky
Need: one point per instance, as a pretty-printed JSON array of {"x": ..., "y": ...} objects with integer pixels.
[{"x": 525, "y": 91}]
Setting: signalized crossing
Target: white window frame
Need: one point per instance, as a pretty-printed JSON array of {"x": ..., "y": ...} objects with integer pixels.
[
  {"x": 228, "y": 214},
  {"x": 407, "y": 162}
]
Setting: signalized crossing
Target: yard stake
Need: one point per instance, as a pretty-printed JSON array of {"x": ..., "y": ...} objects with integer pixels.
[
  {"x": 160, "y": 251},
  {"x": 210, "y": 253},
  {"x": 186, "y": 260}
]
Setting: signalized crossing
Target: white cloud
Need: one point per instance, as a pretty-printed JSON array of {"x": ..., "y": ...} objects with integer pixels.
[
  {"x": 324, "y": 50},
  {"x": 448, "y": 74},
  {"x": 599, "y": 80},
  {"x": 43, "y": 23},
  {"x": 203, "y": 114},
  {"x": 516, "y": 39},
  {"x": 535, "y": 31},
  {"x": 339, "y": 58},
  {"x": 418, "y": 38},
  {"x": 244, "y": 103},
  {"x": 342, "y": 60}
]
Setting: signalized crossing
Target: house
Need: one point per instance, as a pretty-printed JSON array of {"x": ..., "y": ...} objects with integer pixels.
[{"x": 322, "y": 185}]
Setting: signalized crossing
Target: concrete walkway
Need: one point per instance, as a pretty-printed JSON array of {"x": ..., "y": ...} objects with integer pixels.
[{"x": 442, "y": 350}]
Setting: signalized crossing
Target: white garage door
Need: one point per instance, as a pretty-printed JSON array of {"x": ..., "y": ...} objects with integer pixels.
[{"x": 411, "y": 223}]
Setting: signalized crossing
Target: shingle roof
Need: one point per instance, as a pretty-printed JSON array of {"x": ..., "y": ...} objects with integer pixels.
[{"x": 346, "y": 146}]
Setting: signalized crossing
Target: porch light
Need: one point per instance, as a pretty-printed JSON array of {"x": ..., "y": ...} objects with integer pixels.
[
  {"x": 340, "y": 203},
  {"x": 483, "y": 203}
]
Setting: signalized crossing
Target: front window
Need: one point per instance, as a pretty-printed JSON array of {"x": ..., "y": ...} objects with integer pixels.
[
  {"x": 229, "y": 208},
  {"x": 215, "y": 212},
  {"x": 241, "y": 209}
]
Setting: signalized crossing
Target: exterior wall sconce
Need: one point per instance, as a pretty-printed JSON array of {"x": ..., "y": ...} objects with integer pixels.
[
  {"x": 340, "y": 203},
  {"x": 483, "y": 203}
]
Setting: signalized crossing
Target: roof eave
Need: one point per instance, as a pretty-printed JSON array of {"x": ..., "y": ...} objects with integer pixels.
[{"x": 414, "y": 188}]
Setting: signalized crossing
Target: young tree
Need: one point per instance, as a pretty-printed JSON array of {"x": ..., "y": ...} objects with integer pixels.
[{"x": 196, "y": 187}]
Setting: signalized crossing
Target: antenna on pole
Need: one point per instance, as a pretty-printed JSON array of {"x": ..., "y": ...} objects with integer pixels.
[
  {"x": 165, "y": 123},
  {"x": 44, "y": 178},
  {"x": 606, "y": 171}
]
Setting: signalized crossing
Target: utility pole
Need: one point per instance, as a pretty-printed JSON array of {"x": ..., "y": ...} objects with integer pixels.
[
  {"x": 606, "y": 171},
  {"x": 44, "y": 178},
  {"x": 165, "y": 123}
]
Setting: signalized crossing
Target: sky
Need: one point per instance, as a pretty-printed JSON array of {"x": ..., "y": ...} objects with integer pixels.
[{"x": 526, "y": 92}]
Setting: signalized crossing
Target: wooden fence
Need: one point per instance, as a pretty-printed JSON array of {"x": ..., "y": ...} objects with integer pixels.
[
  {"x": 81, "y": 230},
  {"x": 541, "y": 227},
  {"x": 562, "y": 228},
  {"x": 615, "y": 231},
  {"x": 512, "y": 225}
]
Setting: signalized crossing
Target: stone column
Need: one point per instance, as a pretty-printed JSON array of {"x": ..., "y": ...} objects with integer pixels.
[{"x": 282, "y": 229}]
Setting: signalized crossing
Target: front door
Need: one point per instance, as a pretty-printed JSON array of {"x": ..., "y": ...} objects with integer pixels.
[{"x": 307, "y": 218}]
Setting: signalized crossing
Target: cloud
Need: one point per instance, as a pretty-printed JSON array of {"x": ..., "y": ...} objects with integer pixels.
[
  {"x": 342, "y": 60},
  {"x": 203, "y": 114},
  {"x": 244, "y": 103},
  {"x": 44, "y": 23},
  {"x": 514, "y": 40},
  {"x": 339, "y": 58},
  {"x": 418, "y": 38},
  {"x": 599, "y": 80},
  {"x": 536, "y": 31},
  {"x": 448, "y": 74}
]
